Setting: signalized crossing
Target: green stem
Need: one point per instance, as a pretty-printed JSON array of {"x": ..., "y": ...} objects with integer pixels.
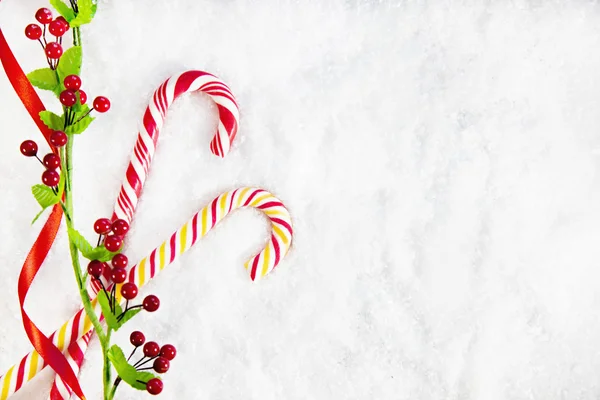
[{"x": 67, "y": 165}]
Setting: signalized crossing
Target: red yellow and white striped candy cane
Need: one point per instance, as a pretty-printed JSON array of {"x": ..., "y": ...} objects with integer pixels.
[
  {"x": 182, "y": 240},
  {"x": 143, "y": 153}
]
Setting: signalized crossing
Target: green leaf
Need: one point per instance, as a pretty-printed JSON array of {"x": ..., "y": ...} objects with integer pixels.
[
  {"x": 44, "y": 195},
  {"x": 52, "y": 120},
  {"x": 80, "y": 126},
  {"x": 70, "y": 63},
  {"x": 80, "y": 242},
  {"x": 37, "y": 216},
  {"x": 43, "y": 78},
  {"x": 126, "y": 371},
  {"x": 99, "y": 253},
  {"x": 128, "y": 315},
  {"x": 63, "y": 9},
  {"x": 86, "y": 13},
  {"x": 109, "y": 317}
]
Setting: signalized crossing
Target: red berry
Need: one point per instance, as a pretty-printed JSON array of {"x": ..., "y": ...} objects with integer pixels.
[
  {"x": 51, "y": 161},
  {"x": 54, "y": 50},
  {"x": 58, "y": 139},
  {"x": 57, "y": 27},
  {"x": 151, "y": 349},
  {"x": 102, "y": 226},
  {"x": 129, "y": 291},
  {"x": 151, "y": 303},
  {"x": 168, "y": 351},
  {"x": 95, "y": 268},
  {"x": 113, "y": 243},
  {"x": 120, "y": 260},
  {"x": 119, "y": 275},
  {"x": 101, "y": 104},
  {"x": 72, "y": 82},
  {"x": 29, "y": 148},
  {"x": 61, "y": 18},
  {"x": 68, "y": 98},
  {"x": 50, "y": 178},
  {"x": 82, "y": 97},
  {"x": 120, "y": 227},
  {"x": 33, "y": 31},
  {"x": 137, "y": 338},
  {"x": 161, "y": 365},
  {"x": 44, "y": 16},
  {"x": 154, "y": 386}
]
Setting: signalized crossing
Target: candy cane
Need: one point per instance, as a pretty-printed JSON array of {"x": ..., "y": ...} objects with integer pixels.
[
  {"x": 182, "y": 240},
  {"x": 142, "y": 156}
]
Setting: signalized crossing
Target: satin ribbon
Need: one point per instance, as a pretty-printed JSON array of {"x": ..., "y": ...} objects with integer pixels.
[{"x": 35, "y": 259}]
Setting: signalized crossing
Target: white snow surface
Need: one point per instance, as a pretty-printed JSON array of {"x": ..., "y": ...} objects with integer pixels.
[{"x": 439, "y": 158}]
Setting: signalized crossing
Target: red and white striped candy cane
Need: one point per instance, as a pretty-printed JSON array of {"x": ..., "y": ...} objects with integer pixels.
[
  {"x": 143, "y": 153},
  {"x": 182, "y": 240}
]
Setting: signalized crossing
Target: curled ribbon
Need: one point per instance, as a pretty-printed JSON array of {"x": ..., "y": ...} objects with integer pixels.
[{"x": 74, "y": 335}]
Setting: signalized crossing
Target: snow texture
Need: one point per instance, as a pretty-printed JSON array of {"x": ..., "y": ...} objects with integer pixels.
[{"x": 440, "y": 160}]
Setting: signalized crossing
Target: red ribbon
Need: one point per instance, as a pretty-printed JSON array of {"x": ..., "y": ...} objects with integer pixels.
[{"x": 44, "y": 346}]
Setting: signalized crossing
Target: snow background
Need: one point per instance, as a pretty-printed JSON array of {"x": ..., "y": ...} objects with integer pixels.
[{"x": 440, "y": 160}]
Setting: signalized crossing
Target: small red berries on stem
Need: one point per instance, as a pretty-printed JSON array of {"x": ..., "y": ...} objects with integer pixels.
[
  {"x": 161, "y": 365},
  {"x": 120, "y": 227},
  {"x": 58, "y": 27},
  {"x": 137, "y": 338},
  {"x": 120, "y": 261},
  {"x": 54, "y": 51},
  {"x": 118, "y": 275},
  {"x": 129, "y": 291},
  {"x": 95, "y": 268},
  {"x": 82, "y": 97},
  {"x": 68, "y": 98},
  {"x": 102, "y": 226},
  {"x": 151, "y": 303},
  {"x": 50, "y": 178},
  {"x": 44, "y": 16},
  {"x": 72, "y": 82},
  {"x": 51, "y": 161},
  {"x": 58, "y": 139},
  {"x": 29, "y": 148},
  {"x": 168, "y": 351},
  {"x": 154, "y": 386},
  {"x": 151, "y": 349},
  {"x": 33, "y": 31},
  {"x": 113, "y": 243},
  {"x": 101, "y": 104}
]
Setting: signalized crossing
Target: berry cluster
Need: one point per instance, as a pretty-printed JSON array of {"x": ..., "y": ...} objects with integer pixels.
[
  {"x": 160, "y": 357},
  {"x": 57, "y": 28},
  {"x": 113, "y": 233},
  {"x": 68, "y": 98},
  {"x": 51, "y": 161}
]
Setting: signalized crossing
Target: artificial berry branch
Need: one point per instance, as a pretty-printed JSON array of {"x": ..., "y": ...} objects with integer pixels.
[{"x": 62, "y": 77}]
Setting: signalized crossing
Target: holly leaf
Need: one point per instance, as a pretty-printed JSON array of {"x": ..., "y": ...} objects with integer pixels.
[
  {"x": 86, "y": 13},
  {"x": 100, "y": 253},
  {"x": 52, "y": 120},
  {"x": 70, "y": 63},
  {"x": 80, "y": 126},
  {"x": 43, "y": 78},
  {"x": 80, "y": 242},
  {"x": 109, "y": 317},
  {"x": 63, "y": 9},
  {"x": 44, "y": 195},
  {"x": 126, "y": 371}
]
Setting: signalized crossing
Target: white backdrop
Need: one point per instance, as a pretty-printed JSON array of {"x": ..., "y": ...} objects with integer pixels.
[{"x": 440, "y": 160}]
